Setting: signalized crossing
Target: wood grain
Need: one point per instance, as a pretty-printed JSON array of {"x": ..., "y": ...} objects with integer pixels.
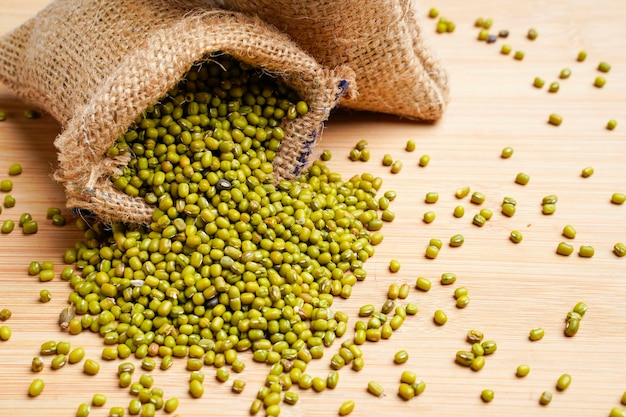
[{"x": 513, "y": 288}]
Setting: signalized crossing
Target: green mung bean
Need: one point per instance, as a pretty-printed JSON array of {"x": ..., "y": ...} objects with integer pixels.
[
  {"x": 569, "y": 231},
  {"x": 618, "y": 198},
  {"x": 617, "y": 412},
  {"x": 582, "y": 55},
  {"x": 619, "y": 249},
  {"x": 8, "y": 226},
  {"x": 37, "y": 364},
  {"x": 487, "y": 395},
  {"x": 346, "y": 408},
  {"x": 604, "y": 67},
  {"x": 9, "y": 201},
  {"x": 555, "y": 119},
  {"x": 3, "y": 115},
  {"x": 586, "y": 251},
  {"x": 440, "y": 317},
  {"x": 5, "y": 314},
  {"x": 565, "y": 73},
  {"x": 538, "y": 82},
  {"x": 5, "y": 333},
  {"x": 429, "y": 217},
  {"x": 448, "y": 278},
  {"x": 459, "y": 211},
  {"x": 15, "y": 169},
  {"x": 563, "y": 382},
  {"x": 424, "y": 160},
  {"x": 432, "y": 251},
  {"x": 387, "y": 160},
  {"x": 571, "y": 327},
  {"x": 505, "y": 49},
  {"x": 519, "y": 55},
  {"x": 396, "y": 167},
  {"x": 554, "y": 87},
  {"x": 410, "y": 146},
  {"x": 478, "y": 220},
  {"x": 536, "y": 334},
  {"x": 545, "y": 398},
  {"x": 522, "y": 370},
  {"x": 36, "y": 387},
  {"x": 83, "y": 410},
  {"x": 91, "y": 367},
  {"x": 6, "y": 186},
  {"x": 599, "y": 82},
  {"x": 401, "y": 356},
  {"x": 375, "y": 388},
  {"x": 477, "y": 197},
  {"x": 564, "y": 249},
  {"x": 548, "y": 209},
  {"x": 457, "y": 240},
  {"x": 431, "y": 197},
  {"x": 611, "y": 124}
]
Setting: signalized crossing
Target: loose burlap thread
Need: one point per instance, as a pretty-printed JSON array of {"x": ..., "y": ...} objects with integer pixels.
[
  {"x": 95, "y": 65},
  {"x": 397, "y": 71}
]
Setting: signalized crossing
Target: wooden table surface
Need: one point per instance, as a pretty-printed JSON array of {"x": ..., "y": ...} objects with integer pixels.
[{"x": 513, "y": 288}]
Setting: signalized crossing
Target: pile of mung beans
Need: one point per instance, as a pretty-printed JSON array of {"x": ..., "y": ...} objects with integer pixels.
[{"x": 233, "y": 260}]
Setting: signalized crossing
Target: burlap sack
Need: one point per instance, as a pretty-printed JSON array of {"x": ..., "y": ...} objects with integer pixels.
[
  {"x": 382, "y": 40},
  {"x": 95, "y": 65}
]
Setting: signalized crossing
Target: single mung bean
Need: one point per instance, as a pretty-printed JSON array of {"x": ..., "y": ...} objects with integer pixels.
[
  {"x": 410, "y": 145},
  {"x": 599, "y": 82},
  {"x": 424, "y": 160},
  {"x": 569, "y": 231},
  {"x": 586, "y": 172},
  {"x": 611, "y": 124},
  {"x": 464, "y": 357},
  {"x": 580, "y": 308},
  {"x": 375, "y": 388},
  {"x": 546, "y": 398},
  {"x": 505, "y": 49},
  {"x": 98, "y": 400},
  {"x": 457, "y": 240},
  {"x": 604, "y": 67},
  {"x": 76, "y": 355},
  {"x": 431, "y": 197},
  {"x": 8, "y": 226},
  {"x": 459, "y": 211},
  {"x": 36, "y": 387},
  {"x": 83, "y": 410},
  {"x": 429, "y": 217},
  {"x": 58, "y": 361},
  {"x": 461, "y": 192},
  {"x": 489, "y": 347},
  {"x": 564, "y": 249},
  {"x": 536, "y": 334},
  {"x": 555, "y": 119},
  {"x": 346, "y": 408},
  {"x": 37, "y": 364},
  {"x": 586, "y": 251},
  {"x": 196, "y": 389},
  {"x": 30, "y": 227},
  {"x": 508, "y": 209},
  {"x": 571, "y": 327},
  {"x": 5, "y": 333},
  {"x": 507, "y": 152},
  {"x": 91, "y": 367},
  {"x": 477, "y": 197},
  {"x": 565, "y": 73},
  {"x": 522, "y": 178},
  {"x": 478, "y": 220},
  {"x": 548, "y": 209},
  {"x": 423, "y": 284},
  {"x": 432, "y": 251},
  {"x": 45, "y": 296},
  {"x": 222, "y": 375},
  {"x": 394, "y": 265},
  {"x": 9, "y": 201},
  {"x": 448, "y": 278},
  {"x": 619, "y": 249},
  {"x": 487, "y": 395},
  {"x": 463, "y": 301},
  {"x": 618, "y": 198},
  {"x": 6, "y": 186},
  {"x": 617, "y": 412},
  {"x": 554, "y": 87},
  {"x": 15, "y": 169},
  {"x": 387, "y": 160},
  {"x": 519, "y": 55},
  {"x": 522, "y": 370},
  {"x": 478, "y": 363},
  {"x": 440, "y": 317},
  {"x": 405, "y": 391},
  {"x": 563, "y": 382},
  {"x": 538, "y": 82},
  {"x": 401, "y": 356},
  {"x": 396, "y": 167},
  {"x": 582, "y": 55},
  {"x": 486, "y": 213},
  {"x": 5, "y": 314},
  {"x": 3, "y": 115}
]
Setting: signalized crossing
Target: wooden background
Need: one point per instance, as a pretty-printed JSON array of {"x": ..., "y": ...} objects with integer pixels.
[{"x": 513, "y": 288}]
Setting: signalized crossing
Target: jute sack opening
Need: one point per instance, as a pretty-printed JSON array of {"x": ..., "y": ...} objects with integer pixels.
[
  {"x": 95, "y": 65},
  {"x": 382, "y": 40}
]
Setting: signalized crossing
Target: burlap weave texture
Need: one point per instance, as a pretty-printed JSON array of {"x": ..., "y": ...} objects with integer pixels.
[
  {"x": 95, "y": 65},
  {"x": 397, "y": 71}
]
